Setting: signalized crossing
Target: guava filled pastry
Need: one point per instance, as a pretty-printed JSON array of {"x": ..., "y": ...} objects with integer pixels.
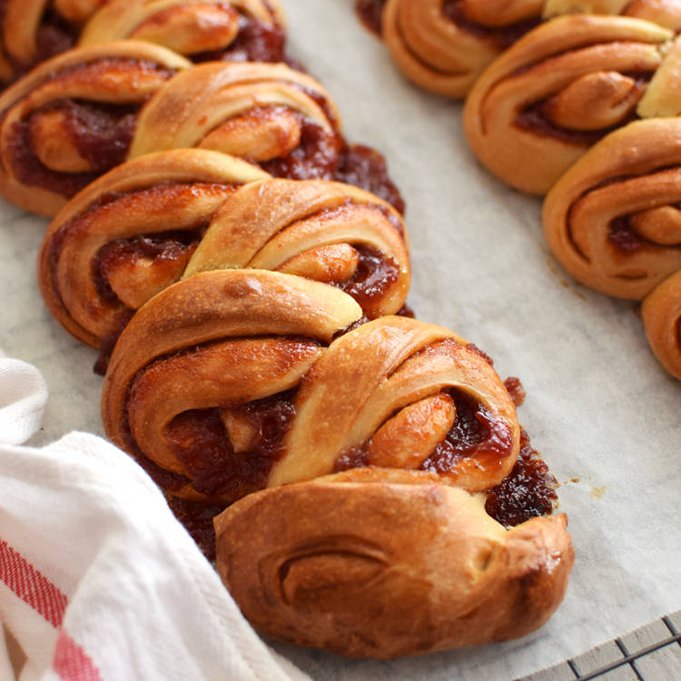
[
  {"x": 201, "y": 364},
  {"x": 170, "y": 215},
  {"x": 666, "y": 13},
  {"x": 202, "y": 30},
  {"x": 73, "y": 118},
  {"x": 34, "y": 30},
  {"x": 130, "y": 234},
  {"x": 563, "y": 87},
  {"x": 662, "y": 319},
  {"x": 269, "y": 114},
  {"x": 613, "y": 220},
  {"x": 379, "y": 563},
  {"x": 444, "y": 45}
]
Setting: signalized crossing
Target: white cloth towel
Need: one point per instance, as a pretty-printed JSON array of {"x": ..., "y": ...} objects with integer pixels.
[{"x": 98, "y": 581}]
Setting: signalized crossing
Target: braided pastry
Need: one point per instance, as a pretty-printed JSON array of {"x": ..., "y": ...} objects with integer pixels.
[
  {"x": 269, "y": 114},
  {"x": 130, "y": 234},
  {"x": 34, "y": 30},
  {"x": 73, "y": 118},
  {"x": 662, "y": 318},
  {"x": 169, "y": 215},
  {"x": 560, "y": 89},
  {"x": 203, "y": 30},
  {"x": 381, "y": 563},
  {"x": 666, "y": 13},
  {"x": 613, "y": 219},
  {"x": 201, "y": 362},
  {"x": 444, "y": 45}
]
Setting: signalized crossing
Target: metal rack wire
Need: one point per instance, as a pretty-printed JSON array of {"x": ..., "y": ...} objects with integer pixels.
[{"x": 651, "y": 653}]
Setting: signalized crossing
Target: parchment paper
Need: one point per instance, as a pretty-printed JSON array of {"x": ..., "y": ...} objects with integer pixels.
[{"x": 599, "y": 407}]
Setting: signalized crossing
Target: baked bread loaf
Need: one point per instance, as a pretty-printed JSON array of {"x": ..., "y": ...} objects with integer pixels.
[
  {"x": 559, "y": 90},
  {"x": 34, "y": 30},
  {"x": 382, "y": 563},
  {"x": 73, "y": 118},
  {"x": 167, "y": 216},
  {"x": 662, "y": 318},
  {"x": 231, "y": 382},
  {"x": 269, "y": 114},
  {"x": 195, "y": 365},
  {"x": 666, "y": 13},
  {"x": 202, "y": 30},
  {"x": 613, "y": 219}
]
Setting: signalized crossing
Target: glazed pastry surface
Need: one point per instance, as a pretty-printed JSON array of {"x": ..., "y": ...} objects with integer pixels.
[
  {"x": 167, "y": 216},
  {"x": 202, "y": 30},
  {"x": 613, "y": 219},
  {"x": 559, "y": 90},
  {"x": 380, "y": 563},
  {"x": 200, "y": 359},
  {"x": 269, "y": 114},
  {"x": 73, "y": 118}
]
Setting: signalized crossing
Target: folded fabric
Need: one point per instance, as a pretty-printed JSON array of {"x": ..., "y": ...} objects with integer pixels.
[{"x": 98, "y": 580}]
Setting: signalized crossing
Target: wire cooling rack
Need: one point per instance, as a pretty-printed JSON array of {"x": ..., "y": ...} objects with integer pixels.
[{"x": 651, "y": 653}]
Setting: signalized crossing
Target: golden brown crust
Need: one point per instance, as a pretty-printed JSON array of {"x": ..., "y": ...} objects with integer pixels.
[
  {"x": 190, "y": 27},
  {"x": 167, "y": 216},
  {"x": 382, "y": 569},
  {"x": 444, "y": 55},
  {"x": 545, "y": 101},
  {"x": 613, "y": 220},
  {"x": 374, "y": 388},
  {"x": 662, "y": 318},
  {"x": 216, "y": 340},
  {"x": 254, "y": 111},
  {"x": 46, "y": 150},
  {"x": 130, "y": 234}
]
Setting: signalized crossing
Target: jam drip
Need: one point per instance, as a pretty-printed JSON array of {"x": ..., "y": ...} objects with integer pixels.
[
  {"x": 528, "y": 492},
  {"x": 214, "y": 469},
  {"x": 256, "y": 41},
  {"x": 55, "y": 35},
  {"x": 370, "y": 14},
  {"x": 102, "y": 133},
  {"x": 315, "y": 158},
  {"x": 366, "y": 168},
  {"x": 503, "y": 36},
  {"x": 475, "y": 432},
  {"x": 373, "y": 277},
  {"x": 198, "y": 521},
  {"x": 164, "y": 247}
]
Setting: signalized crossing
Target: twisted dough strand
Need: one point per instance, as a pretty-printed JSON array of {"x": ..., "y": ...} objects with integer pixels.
[
  {"x": 562, "y": 87},
  {"x": 613, "y": 219},
  {"x": 130, "y": 234},
  {"x": 170, "y": 215},
  {"x": 662, "y": 319},
  {"x": 220, "y": 340},
  {"x": 203, "y": 30},
  {"x": 72, "y": 118},
  {"x": 444, "y": 46}
]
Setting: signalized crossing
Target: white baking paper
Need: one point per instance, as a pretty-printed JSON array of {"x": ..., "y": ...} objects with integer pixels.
[{"x": 599, "y": 407}]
